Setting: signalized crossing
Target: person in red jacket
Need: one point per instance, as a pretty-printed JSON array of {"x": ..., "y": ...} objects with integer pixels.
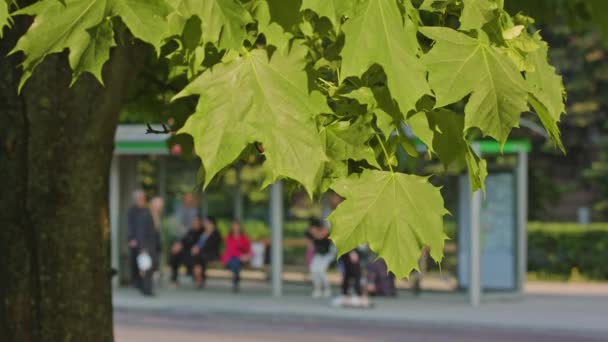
[{"x": 237, "y": 251}]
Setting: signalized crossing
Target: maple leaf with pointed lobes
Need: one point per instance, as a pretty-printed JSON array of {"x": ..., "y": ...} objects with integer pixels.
[
  {"x": 395, "y": 213},
  {"x": 450, "y": 145},
  {"x": 5, "y": 18},
  {"x": 436, "y": 5},
  {"x": 57, "y": 27},
  {"x": 460, "y": 65},
  {"x": 333, "y": 10},
  {"x": 96, "y": 53},
  {"x": 547, "y": 93},
  {"x": 476, "y": 13},
  {"x": 222, "y": 21},
  {"x": 378, "y": 26},
  {"x": 420, "y": 127},
  {"x": 252, "y": 99},
  {"x": 147, "y": 20},
  {"x": 345, "y": 140}
]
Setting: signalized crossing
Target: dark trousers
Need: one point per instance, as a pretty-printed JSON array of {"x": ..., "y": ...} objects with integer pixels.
[
  {"x": 203, "y": 261},
  {"x": 147, "y": 283},
  {"x": 135, "y": 276},
  {"x": 181, "y": 258},
  {"x": 352, "y": 272}
]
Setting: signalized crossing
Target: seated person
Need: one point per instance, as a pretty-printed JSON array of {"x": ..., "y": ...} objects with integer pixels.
[
  {"x": 237, "y": 251},
  {"x": 205, "y": 250},
  {"x": 380, "y": 282},
  {"x": 180, "y": 251}
]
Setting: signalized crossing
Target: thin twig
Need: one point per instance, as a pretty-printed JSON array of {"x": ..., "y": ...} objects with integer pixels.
[{"x": 151, "y": 130}]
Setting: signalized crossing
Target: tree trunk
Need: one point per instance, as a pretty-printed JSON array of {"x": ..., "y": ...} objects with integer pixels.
[{"x": 56, "y": 146}]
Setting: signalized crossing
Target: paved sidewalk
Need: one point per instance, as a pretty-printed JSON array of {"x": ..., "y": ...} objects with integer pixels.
[
  {"x": 559, "y": 288},
  {"x": 580, "y": 315}
]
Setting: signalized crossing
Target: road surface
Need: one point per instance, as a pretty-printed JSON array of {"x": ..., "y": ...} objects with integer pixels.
[{"x": 147, "y": 327}]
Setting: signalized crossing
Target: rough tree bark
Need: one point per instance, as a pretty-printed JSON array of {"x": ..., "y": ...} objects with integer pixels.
[{"x": 56, "y": 145}]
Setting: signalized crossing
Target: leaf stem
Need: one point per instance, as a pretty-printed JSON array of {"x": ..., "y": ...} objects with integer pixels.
[{"x": 385, "y": 153}]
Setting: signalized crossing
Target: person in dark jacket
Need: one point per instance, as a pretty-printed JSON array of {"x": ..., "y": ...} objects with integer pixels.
[
  {"x": 205, "y": 250},
  {"x": 181, "y": 251},
  {"x": 136, "y": 220},
  {"x": 352, "y": 272},
  {"x": 380, "y": 282},
  {"x": 142, "y": 239}
]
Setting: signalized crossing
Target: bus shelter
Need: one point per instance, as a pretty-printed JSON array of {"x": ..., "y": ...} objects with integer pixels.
[{"x": 491, "y": 231}]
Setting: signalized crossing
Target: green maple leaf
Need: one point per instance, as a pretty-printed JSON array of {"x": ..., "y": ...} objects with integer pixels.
[
  {"x": 478, "y": 170},
  {"x": 384, "y": 121},
  {"x": 5, "y": 18},
  {"x": 331, "y": 171},
  {"x": 378, "y": 26},
  {"x": 397, "y": 214},
  {"x": 274, "y": 33},
  {"x": 387, "y": 111},
  {"x": 476, "y": 13},
  {"x": 420, "y": 127},
  {"x": 460, "y": 65},
  {"x": 364, "y": 96},
  {"x": 547, "y": 92},
  {"x": 222, "y": 21},
  {"x": 344, "y": 140},
  {"x": 97, "y": 52},
  {"x": 451, "y": 146},
  {"x": 260, "y": 11},
  {"x": 435, "y": 5},
  {"x": 285, "y": 13},
  {"x": 147, "y": 20},
  {"x": 57, "y": 27},
  {"x": 252, "y": 99},
  {"x": 448, "y": 140},
  {"x": 333, "y": 10}
]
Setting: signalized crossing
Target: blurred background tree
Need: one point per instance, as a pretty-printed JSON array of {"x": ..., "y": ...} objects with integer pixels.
[{"x": 577, "y": 31}]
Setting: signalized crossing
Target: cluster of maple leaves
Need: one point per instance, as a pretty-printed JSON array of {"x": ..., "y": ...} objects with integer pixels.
[{"x": 331, "y": 89}]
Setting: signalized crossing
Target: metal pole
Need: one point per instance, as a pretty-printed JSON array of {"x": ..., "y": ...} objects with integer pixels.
[
  {"x": 238, "y": 197},
  {"x": 475, "y": 245},
  {"x": 276, "y": 224},
  {"x": 522, "y": 218},
  {"x": 475, "y": 254},
  {"x": 114, "y": 197}
]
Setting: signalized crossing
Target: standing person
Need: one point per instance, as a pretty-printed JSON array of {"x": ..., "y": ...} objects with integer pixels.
[
  {"x": 318, "y": 236},
  {"x": 205, "y": 250},
  {"x": 142, "y": 240},
  {"x": 147, "y": 240},
  {"x": 137, "y": 217},
  {"x": 185, "y": 213},
  {"x": 181, "y": 250},
  {"x": 352, "y": 275},
  {"x": 237, "y": 251},
  {"x": 157, "y": 205}
]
